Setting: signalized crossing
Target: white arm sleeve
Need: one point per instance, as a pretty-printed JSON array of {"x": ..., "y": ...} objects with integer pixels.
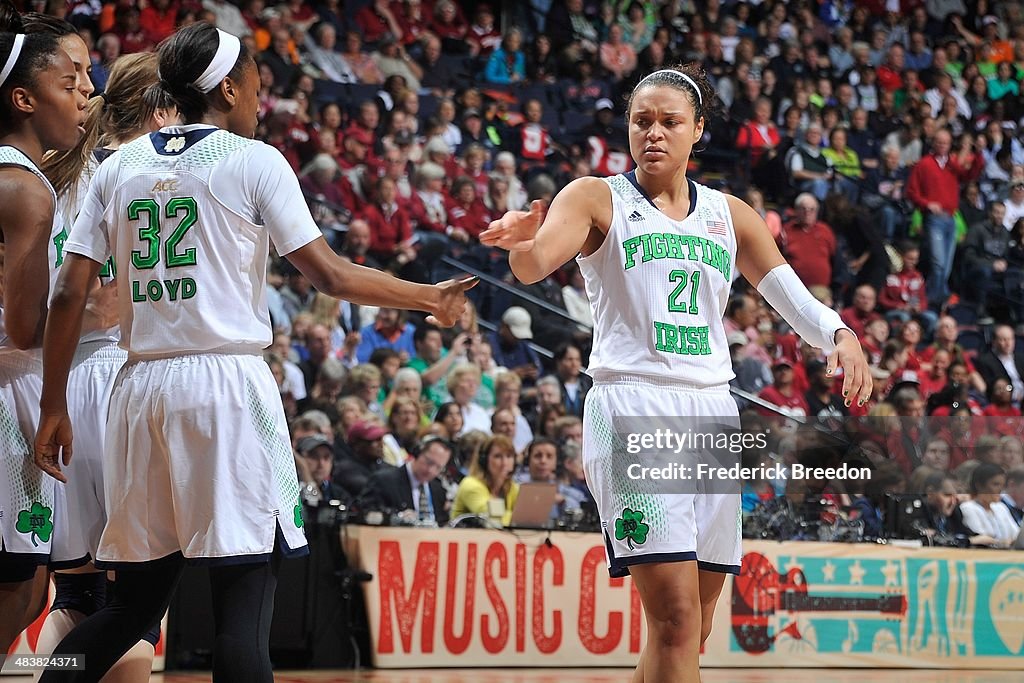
[{"x": 815, "y": 322}]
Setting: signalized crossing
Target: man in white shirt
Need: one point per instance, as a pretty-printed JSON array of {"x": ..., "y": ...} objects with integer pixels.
[
  {"x": 228, "y": 17},
  {"x": 324, "y": 56}
]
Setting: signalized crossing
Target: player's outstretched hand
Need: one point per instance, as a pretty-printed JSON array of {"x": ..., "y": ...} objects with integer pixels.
[
  {"x": 451, "y": 302},
  {"x": 53, "y": 440},
  {"x": 857, "y": 383},
  {"x": 516, "y": 230}
]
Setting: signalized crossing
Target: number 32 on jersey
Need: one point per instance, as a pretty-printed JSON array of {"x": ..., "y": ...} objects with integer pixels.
[{"x": 154, "y": 247}]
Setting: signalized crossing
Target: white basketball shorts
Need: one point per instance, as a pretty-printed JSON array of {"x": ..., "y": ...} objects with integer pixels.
[
  {"x": 90, "y": 384},
  {"x": 648, "y": 521},
  {"x": 198, "y": 461}
]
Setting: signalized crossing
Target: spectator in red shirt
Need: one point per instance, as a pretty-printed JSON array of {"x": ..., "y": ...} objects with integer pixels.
[
  {"x": 890, "y": 74},
  {"x": 911, "y": 334},
  {"x": 467, "y": 214},
  {"x": 532, "y": 141},
  {"x": 862, "y": 311},
  {"x": 782, "y": 392},
  {"x": 903, "y": 296},
  {"x": 1004, "y": 416},
  {"x": 326, "y": 199},
  {"x": 448, "y": 25},
  {"x": 484, "y": 36},
  {"x": 935, "y": 378},
  {"x": 934, "y": 187},
  {"x": 288, "y": 135},
  {"x": 159, "y": 19},
  {"x": 946, "y": 331},
  {"x": 905, "y": 443},
  {"x": 876, "y": 333},
  {"x": 428, "y": 204},
  {"x": 390, "y": 227},
  {"x": 473, "y": 163},
  {"x": 129, "y": 30},
  {"x": 377, "y": 20},
  {"x": 759, "y": 136},
  {"x": 439, "y": 152},
  {"x": 355, "y": 150},
  {"x": 808, "y": 244}
]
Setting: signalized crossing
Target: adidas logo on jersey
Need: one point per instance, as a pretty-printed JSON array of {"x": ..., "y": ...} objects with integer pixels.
[
  {"x": 635, "y": 216},
  {"x": 175, "y": 144}
]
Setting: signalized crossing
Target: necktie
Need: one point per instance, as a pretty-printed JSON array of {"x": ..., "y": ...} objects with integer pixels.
[{"x": 424, "y": 504}]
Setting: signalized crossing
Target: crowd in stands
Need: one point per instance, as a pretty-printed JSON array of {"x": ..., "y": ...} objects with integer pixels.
[{"x": 879, "y": 139}]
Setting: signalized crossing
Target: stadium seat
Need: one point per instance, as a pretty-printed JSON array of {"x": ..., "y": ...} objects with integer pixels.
[
  {"x": 359, "y": 93},
  {"x": 971, "y": 340},
  {"x": 574, "y": 122},
  {"x": 963, "y": 314}
]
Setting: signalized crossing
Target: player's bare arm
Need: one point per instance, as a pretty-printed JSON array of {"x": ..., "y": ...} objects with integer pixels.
[
  {"x": 342, "y": 279},
  {"x": 63, "y": 329},
  {"x": 539, "y": 242},
  {"x": 26, "y": 222}
]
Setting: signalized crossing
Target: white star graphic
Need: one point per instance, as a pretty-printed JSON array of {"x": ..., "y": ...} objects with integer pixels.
[
  {"x": 857, "y": 574},
  {"x": 891, "y": 570},
  {"x": 793, "y": 563},
  {"x": 829, "y": 571}
]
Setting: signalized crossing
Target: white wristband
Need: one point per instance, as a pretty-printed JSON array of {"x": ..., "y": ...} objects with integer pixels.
[{"x": 815, "y": 322}]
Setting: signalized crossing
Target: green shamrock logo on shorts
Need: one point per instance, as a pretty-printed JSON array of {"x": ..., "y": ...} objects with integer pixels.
[
  {"x": 298, "y": 516},
  {"x": 631, "y": 528},
  {"x": 37, "y": 522}
]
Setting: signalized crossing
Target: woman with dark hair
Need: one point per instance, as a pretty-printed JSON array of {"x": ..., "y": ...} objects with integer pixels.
[
  {"x": 985, "y": 512},
  {"x": 42, "y": 107},
  {"x": 204, "y": 384},
  {"x": 660, "y": 345},
  {"x": 449, "y": 417},
  {"x": 944, "y": 522},
  {"x": 543, "y": 461}
]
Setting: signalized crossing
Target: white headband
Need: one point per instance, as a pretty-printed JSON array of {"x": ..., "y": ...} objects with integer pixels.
[
  {"x": 12, "y": 59},
  {"x": 223, "y": 62},
  {"x": 680, "y": 74}
]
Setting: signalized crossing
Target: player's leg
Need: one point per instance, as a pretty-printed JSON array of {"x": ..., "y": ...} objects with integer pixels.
[
  {"x": 243, "y": 607},
  {"x": 710, "y": 589},
  {"x": 670, "y": 595},
  {"x": 79, "y": 593},
  {"x": 140, "y": 598},
  {"x": 136, "y": 664},
  {"x": 19, "y": 604},
  {"x": 638, "y": 673}
]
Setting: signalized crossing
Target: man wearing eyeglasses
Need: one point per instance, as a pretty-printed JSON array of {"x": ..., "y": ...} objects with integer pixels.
[
  {"x": 808, "y": 244},
  {"x": 413, "y": 486}
]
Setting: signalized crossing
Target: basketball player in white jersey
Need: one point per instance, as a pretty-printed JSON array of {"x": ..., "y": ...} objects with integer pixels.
[
  {"x": 119, "y": 115},
  {"x": 658, "y": 253},
  {"x": 40, "y": 109},
  {"x": 200, "y": 463}
]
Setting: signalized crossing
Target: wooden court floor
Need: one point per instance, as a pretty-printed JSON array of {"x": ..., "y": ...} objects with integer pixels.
[{"x": 623, "y": 675}]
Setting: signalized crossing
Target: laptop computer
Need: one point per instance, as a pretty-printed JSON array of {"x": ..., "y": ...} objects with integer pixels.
[{"x": 533, "y": 506}]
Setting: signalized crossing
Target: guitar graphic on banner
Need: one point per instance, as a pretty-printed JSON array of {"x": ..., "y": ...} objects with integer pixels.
[{"x": 759, "y": 592}]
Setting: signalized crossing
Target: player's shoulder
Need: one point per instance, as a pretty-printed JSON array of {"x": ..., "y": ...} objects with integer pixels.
[{"x": 588, "y": 186}]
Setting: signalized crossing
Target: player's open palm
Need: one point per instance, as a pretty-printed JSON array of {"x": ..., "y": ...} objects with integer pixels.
[
  {"x": 451, "y": 301},
  {"x": 53, "y": 440},
  {"x": 516, "y": 230}
]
